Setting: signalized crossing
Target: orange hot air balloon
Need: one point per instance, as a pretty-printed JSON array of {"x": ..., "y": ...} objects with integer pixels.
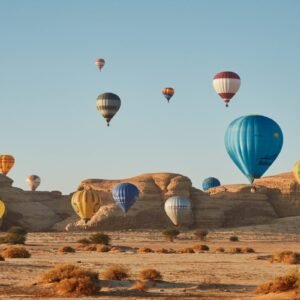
[
  {"x": 168, "y": 92},
  {"x": 6, "y": 163}
]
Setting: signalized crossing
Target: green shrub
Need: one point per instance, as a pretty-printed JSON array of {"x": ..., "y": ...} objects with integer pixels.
[{"x": 100, "y": 238}]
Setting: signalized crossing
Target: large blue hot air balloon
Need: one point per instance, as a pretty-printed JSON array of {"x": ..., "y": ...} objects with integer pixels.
[
  {"x": 210, "y": 182},
  {"x": 253, "y": 143},
  {"x": 125, "y": 195}
]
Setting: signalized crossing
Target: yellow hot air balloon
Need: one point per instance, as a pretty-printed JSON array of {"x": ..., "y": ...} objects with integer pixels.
[
  {"x": 2, "y": 209},
  {"x": 296, "y": 171},
  {"x": 86, "y": 203},
  {"x": 6, "y": 163}
]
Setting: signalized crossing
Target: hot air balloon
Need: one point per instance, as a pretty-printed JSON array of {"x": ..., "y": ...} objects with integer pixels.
[
  {"x": 86, "y": 203},
  {"x": 2, "y": 209},
  {"x": 178, "y": 209},
  {"x": 253, "y": 143},
  {"x": 210, "y": 182},
  {"x": 33, "y": 182},
  {"x": 226, "y": 84},
  {"x": 108, "y": 104},
  {"x": 168, "y": 92},
  {"x": 296, "y": 171},
  {"x": 100, "y": 62},
  {"x": 125, "y": 195},
  {"x": 6, "y": 163}
]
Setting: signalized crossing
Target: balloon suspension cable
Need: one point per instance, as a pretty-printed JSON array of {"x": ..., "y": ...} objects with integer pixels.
[
  {"x": 107, "y": 124},
  {"x": 226, "y": 105}
]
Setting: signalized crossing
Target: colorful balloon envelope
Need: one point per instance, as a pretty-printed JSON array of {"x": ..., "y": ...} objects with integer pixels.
[
  {"x": 108, "y": 105},
  {"x": 226, "y": 84},
  {"x": 296, "y": 171},
  {"x": 178, "y": 209},
  {"x": 6, "y": 163},
  {"x": 253, "y": 143},
  {"x": 33, "y": 182},
  {"x": 125, "y": 195},
  {"x": 210, "y": 182},
  {"x": 168, "y": 92},
  {"x": 100, "y": 62},
  {"x": 2, "y": 209},
  {"x": 86, "y": 203}
]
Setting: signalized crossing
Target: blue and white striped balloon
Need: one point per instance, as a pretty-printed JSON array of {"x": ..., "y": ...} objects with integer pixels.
[{"x": 125, "y": 195}]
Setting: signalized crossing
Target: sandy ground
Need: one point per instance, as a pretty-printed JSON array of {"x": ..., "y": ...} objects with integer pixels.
[{"x": 208, "y": 275}]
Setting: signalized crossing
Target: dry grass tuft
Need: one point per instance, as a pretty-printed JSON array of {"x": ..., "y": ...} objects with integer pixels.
[
  {"x": 248, "y": 250},
  {"x": 286, "y": 257},
  {"x": 220, "y": 249},
  {"x": 290, "y": 281},
  {"x": 233, "y": 238},
  {"x": 84, "y": 241},
  {"x": 162, "y": 250},
  {"x": 103, "y": 248},
  {"x": 171, "y": 234},
  {"x": 186, "y": 250},
  {"x": 13, "y": 238},
  {"x": 235, "y": 250},
  {"x": 139, "y": 286},
  {"x": 100, "y": 238},
  {"x": 145, "y": 250},
  {"x": 116, "y": 250},
  {"x": 66, "y": 249},
  {"x": 89, "y": 248},
  {"x": 115, "y": 272},
  {"x": 201, "y": 247},
  {"x": 15, "y": 252},
  {"x": 150, "y": 274},
  {"x": 2, "y": 258}
]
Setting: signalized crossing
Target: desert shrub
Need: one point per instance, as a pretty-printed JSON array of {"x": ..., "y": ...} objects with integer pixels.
[
  {"x": 171, "y": 234},
  {"x": 145, "y": 250},
  {"x": 235, "y": 250},
  {"x": 248, "y": 250},
  {"x": 66, "y": 249},
  {"x": 150, "y": 274},
  {"x": 220, "y": 249},
  {"x": 12, "y": 238},
  {"x": 186, "y": 250},
  {"x": 1, "y": 258},
  {"x": 233, "y": 238},
  {"x": 84, "y": 241},
  {"x": 103, "y": 248},
  {"x": 201, "y": 247},
  {"x": 17, "y": 230},
  {"x": 286, "y": 257},
  {"x": 171, "y": 250},
  {"x": 116, "y": 249},
  {"x": 71, "y": 280},
  {"x": 290, "y": 281},
  {"x": 140, "y": 286},
  {"x": 201, "y": 234},
  {"x": 162, "y": 250},
  {"x": 115, "y": 272},
  {"x": 100, "y": 238},
  {"x": 90, "y": 248},
  {"x": 15, "y": 252}
]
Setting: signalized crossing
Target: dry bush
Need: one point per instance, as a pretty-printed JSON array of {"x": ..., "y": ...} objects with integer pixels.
[
  {"x": 84, "y": 241},
  {"x": 12, "y": 238},
  {"x": 66, "y": 249},
  {"x": 233, "y": 238},
  {"x": 71, "y": 280},
  {"x": 186, "y": 250},
  {"x": 1, "y": 258},
  {"x": 115, "y": 272},
  {"x": 162, "y": 250},
  {"x": 116, "y": 250},
  {"x": 220, "y": 249},
  {"x": 100, "y": 238},
  {"x": 235, "y": 250},
  {"x": 103, "y": 248},
  {"x": 150, "y": 274},
  {"x": 290, "y": 281},
  {"x": 15, "y": 252},
  {"x": 201, "y": 247},
  {"x": 171, "y": 250},
  {"x": 17, "y": 230},
  {"x": 201, "y": 234},
  {"x": 140, "y": 286},
  {"x": 286, "y": 257},
  {"x": 89, "y": 248},
  {"x": 145, "y": 250},
  {"x": 171, "y": 234},
  {"x": 248, "y": 250}
]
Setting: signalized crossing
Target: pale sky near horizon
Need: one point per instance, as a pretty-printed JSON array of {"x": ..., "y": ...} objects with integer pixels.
[{"x": 49, "y": 85}]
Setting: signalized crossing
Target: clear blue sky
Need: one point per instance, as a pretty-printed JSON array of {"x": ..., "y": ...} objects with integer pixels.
[{"x": 49, "y": 85}]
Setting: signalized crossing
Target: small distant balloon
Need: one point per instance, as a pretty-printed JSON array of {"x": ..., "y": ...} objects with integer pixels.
[
  {"x": 6, "y": 163},
  {"x": 125, "y": 195},
  {"x": 210, "y": 182},
  {"x": 33, "y": 182},
  {"x": 100, "y": 62},
  {"x": 108, "y": 105},
  {"x": 226, "y": 84},
  {"x": 168, "y": 92}
]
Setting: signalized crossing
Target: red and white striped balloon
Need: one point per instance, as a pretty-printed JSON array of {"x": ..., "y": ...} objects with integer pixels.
[{"x": 226, "y": 84}]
